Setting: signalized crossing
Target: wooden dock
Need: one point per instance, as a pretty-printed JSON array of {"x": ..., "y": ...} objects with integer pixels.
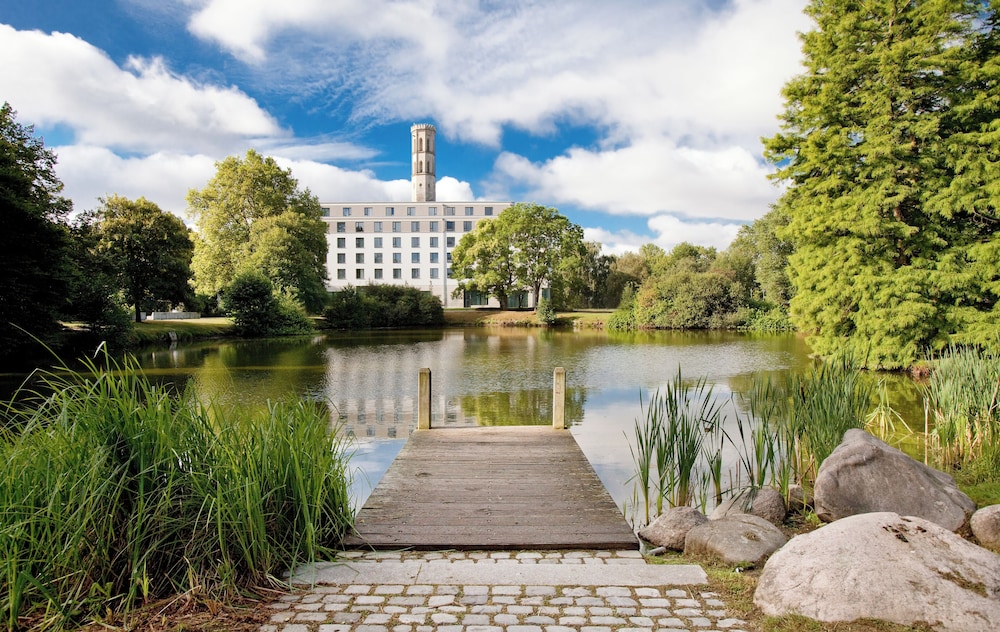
[{"x": 521, "y": 487}]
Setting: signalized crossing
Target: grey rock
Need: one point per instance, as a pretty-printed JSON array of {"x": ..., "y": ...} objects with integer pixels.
[
  {"x": 985, "y": 525},
  {"x": 672, "y": 526},
  {"x": 765, "y": 503},
  {"x": 887, "y": 567},
  {"x": 735, "y": 539},
  {"x": 798, "y": 499},
  {"x": 864, "y": 474}
]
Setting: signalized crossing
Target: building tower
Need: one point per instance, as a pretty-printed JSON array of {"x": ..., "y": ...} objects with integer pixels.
[{"x": 423, "y": 162}]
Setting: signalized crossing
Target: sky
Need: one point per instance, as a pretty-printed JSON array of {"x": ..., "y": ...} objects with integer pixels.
[{"x": 639, "y": 120}]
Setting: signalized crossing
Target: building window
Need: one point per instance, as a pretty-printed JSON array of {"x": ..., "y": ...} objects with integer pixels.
[
  {"x": 397, "y": 273},
  {"x": 414, "y": 227},
  {"x": 359, "y": 257},
  {"x": 466, "y": 227},
  {"x": 378, "y": 227},
  {"x": 341, "y": 227},
  {"x": 325, "y": 211},
  {"x": 341, "y": 273},
  {"x": 434, "y": 257},
  {"x": 359, "y": 227},
  {"x": 449, "y": 210},
  {"x": 434, "y": 227},
  {"x": 368, "y": 211},
  {"x": 397, "y": 227},
  {"x": 432, "y": 210},
  {"x": 469, "y": 210},
  {"x": 390, "y": 211},
  {"x": 378, "y": 257},
  {"x": 397, "y": 242},
  {"x": 450, "y": 243},
  {"x": 448, "y": 257},
  {"x": 359, "y": 273},
  {"x": 488, "y": 211},
  {"x": 341, "y": 257},
  {"x": 411, "y": 210},
  {"x": 346, "y": 211},
  {"x": 449, "y": 227},
  {"x": 341, "y": 242},
  {"x": 378, "y": 273},
  {"x": 414, "y": 257},
  {"x": 378, "y": 242},
  {"x": 414, "y": 273},
  {"x": 434, "y": 273},
  {"x": 434, "y": 242},
  {"x": 414, "y": 242},
  {"x": 359, "y": 242},
  {"x": 397, "y": 257}
]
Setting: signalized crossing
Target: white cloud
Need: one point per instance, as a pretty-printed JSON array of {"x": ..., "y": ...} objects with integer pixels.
[
  {"x": 649, "y": 177},
  {"x": 90, "y": 172},
  {"x": 668, "y": 231},
  {"x": 59, "y": 79}
]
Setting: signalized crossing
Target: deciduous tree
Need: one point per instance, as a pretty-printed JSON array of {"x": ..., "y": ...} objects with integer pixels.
[
  {"x": 523, "y": 248},
  {"x": 33, "y": 236},
  {"x": 150, "y": 251},
  {"x": 252, "y": 215}
]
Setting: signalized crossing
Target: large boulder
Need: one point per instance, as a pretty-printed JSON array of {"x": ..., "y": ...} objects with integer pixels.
[
  {"x": 766, "y": 503},
  {"x": 736, "y": 539},
  {"x": 985, "y": 525},
  {"x": 672, "y": 526},
  {"x": 883, "y": 566},
  {"x": 864, "y": 474}
]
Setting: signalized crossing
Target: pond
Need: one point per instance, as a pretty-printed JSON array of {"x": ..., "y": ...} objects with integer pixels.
[{"x": 481, "y": 376}]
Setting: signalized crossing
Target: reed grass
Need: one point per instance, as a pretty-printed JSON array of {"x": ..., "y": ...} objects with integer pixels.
[
  {"x": 115, "y": 492},
  {"x": 962, "y": 400}
]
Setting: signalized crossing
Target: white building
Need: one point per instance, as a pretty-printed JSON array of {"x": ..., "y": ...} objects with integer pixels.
[{"x": 403, "y": 243}]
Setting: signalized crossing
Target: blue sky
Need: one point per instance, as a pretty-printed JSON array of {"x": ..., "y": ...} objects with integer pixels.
[{"x": 639, "y": 120}]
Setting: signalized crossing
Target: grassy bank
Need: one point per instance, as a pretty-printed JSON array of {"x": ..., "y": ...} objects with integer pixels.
[
  {"x": 114, "y": 494},
  {"x": 521, "y": 318},
  {"x": 151, "y": 332}
]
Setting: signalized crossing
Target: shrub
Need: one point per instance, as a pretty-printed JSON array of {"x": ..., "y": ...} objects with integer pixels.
[
  {"x": 257, "y": 311},
  {"x": 545, "y": 313},
  {"x": 382, "y": 306}
]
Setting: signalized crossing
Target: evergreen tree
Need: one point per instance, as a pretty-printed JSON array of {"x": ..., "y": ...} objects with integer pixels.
[{"x": 869, "y": 147}]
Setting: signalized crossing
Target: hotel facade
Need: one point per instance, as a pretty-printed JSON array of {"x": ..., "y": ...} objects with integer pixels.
[{"x": 404, "y": 243}]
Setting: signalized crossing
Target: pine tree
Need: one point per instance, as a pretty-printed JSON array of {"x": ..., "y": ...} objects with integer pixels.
[{"x": 870, "y": 145}]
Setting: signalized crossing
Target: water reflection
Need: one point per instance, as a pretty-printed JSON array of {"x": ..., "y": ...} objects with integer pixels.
[{"x": 481, "y": 376}]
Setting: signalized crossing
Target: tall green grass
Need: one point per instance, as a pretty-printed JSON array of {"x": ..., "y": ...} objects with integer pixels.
[
  {"x": 962, "y": 400},
  {"x": 791, "y": 427},
  {"x": 115, "y": 492}
]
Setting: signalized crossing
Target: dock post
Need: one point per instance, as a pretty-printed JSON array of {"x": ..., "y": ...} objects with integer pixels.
[
  {"x": 424, "y": 400},
  {"x": 559, "y": 398}
]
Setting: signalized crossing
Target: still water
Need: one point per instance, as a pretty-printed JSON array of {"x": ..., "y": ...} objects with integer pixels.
[{"x": 480, "y": 376}]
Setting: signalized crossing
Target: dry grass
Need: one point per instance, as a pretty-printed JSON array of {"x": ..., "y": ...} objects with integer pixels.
[{"x": 484, "y": 317}]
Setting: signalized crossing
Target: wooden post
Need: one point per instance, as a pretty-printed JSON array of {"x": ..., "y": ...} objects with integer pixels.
[
  {"x": 424, "y": 400},
  {"x": 559, "y": 398}
]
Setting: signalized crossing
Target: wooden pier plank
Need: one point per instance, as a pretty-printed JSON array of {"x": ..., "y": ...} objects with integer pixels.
[{"x": 525, "y": 487}]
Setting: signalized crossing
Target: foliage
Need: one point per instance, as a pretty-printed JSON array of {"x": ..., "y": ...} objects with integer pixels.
[
  {"x": 149, "y": 250},
  {"x": 95, "y": 296},
  {"x": 545, "y": 313},
  {"x": 590, "y": 280},
  {"x": 115, "y": 493},
  {"x": 523, "y": 248},
  {"x": 252, "y": 215},
  {"x": 33, "y": 237},
  {"x": 257, "y": 310},
  {"x": 689, "y": 288},
  {"x": 383, "y": 306},
  {"x": 962, "y": 396},
  {"x": 888, "y": 147},
  {"x": 623, "y": 318}
]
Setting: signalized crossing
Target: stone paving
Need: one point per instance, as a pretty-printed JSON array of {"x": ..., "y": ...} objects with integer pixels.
[{"x": 591, "y": 591}]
